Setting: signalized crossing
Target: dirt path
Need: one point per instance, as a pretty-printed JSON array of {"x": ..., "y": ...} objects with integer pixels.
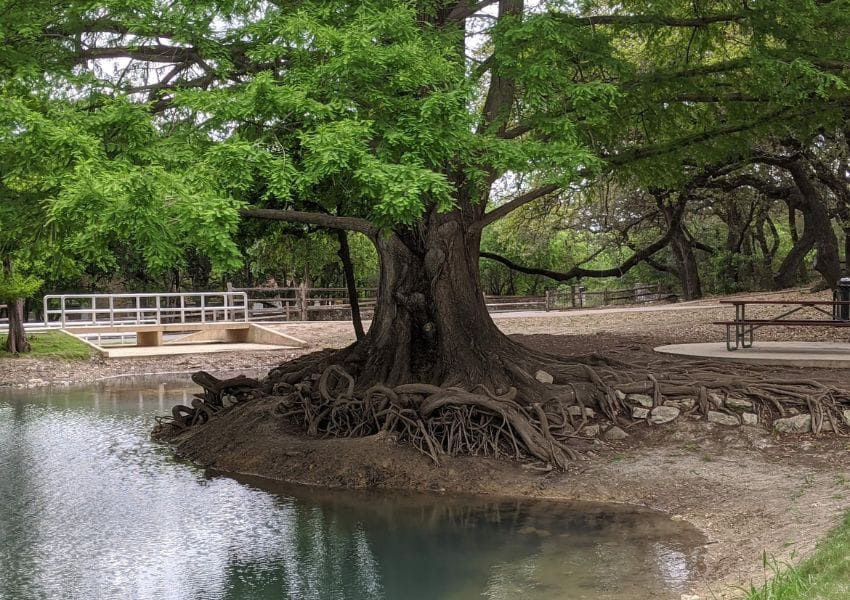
[{"x": 747, "y": 489}]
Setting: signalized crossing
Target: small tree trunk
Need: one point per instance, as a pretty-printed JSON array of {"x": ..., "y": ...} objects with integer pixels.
[
  {"x": 348, "y": 269},
  {"x": 17, "y": 342}
]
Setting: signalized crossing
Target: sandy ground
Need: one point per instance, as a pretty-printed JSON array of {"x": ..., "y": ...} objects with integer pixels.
[{"x": 747, "y": 489}]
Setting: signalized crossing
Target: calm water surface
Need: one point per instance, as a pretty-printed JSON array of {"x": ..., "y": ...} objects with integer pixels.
[{"x": 90, "y": 508}]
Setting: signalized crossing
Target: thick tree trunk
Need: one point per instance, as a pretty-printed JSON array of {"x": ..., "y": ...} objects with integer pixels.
[
  {"x": 789, "y": 271},
  {"x": 431, "y": 324},
  {"x": 817, "y": 233}
]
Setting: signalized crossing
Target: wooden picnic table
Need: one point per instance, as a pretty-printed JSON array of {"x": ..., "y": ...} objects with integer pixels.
[{"x": 744, "y": 326}]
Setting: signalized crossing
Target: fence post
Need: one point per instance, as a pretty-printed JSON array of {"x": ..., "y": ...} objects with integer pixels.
[
  {"x": 605, "y": 297},
  {"x": 302, "y": 292},
  {"x": 548, "y": 300}
]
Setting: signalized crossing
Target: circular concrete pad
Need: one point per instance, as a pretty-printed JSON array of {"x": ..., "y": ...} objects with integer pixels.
[{"x": 828, "y": 355}]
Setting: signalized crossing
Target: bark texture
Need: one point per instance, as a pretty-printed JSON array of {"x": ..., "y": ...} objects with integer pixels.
[
  {"x": 431, "y": 324},
  {"x": 348, "y": 270},
  {"x": 16, "y": 341}
]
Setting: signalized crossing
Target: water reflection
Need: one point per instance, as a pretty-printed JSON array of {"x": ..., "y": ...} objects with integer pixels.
[{"x": 90, "y": 508}]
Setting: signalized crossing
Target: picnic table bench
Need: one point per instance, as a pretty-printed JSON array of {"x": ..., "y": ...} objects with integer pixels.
[{"x": 835, "y": 313}]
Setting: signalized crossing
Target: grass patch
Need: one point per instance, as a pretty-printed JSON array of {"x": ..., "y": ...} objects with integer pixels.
[
  {"x": 51, "y": 344},
  {"x": 824, "y": 576}
]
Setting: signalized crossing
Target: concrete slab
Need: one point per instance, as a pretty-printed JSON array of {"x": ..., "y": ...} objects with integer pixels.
[
  {"x": 172, "y": 350},
  {"x": 248, "y": 333},
  {"x": 827, "y": 355}
]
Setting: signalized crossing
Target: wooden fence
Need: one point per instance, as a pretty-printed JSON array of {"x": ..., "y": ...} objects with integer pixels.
[
  {"x": 304, "y": 303},
  {"x": 578, "y": 297}
]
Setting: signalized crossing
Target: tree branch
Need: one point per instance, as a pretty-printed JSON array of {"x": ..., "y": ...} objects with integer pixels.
[
  {"x": 466, "y": 8},
  {"x": 578, "y": 271},
  {"x": 658, "y": 20},
  {"x": 510, "y": 206},
  {"x": 152, "y": 53},
  {"x": 703, "y": 136},
  {"x": 311, "y": 218}
]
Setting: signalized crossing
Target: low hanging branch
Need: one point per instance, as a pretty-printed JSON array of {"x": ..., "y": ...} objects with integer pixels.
[
  {"x": 313, "y": 218},
  {"x": 579, "y": 271}
]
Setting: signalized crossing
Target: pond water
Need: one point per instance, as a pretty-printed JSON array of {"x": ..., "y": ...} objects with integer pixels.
[{"x": 91, "y": 508}]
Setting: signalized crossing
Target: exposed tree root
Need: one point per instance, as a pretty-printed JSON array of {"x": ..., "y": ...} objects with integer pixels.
[{"x": 531, "y": 420}]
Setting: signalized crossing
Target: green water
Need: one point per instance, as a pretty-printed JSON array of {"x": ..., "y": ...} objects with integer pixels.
[{"x": 90, "y": 508}]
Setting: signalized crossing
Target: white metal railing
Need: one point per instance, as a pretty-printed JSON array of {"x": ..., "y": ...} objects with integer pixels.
[{"x": 144, "y": 309}]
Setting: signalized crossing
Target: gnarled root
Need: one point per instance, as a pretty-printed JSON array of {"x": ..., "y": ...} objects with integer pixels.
[
  {"x": 532, "y": 420},
  {"x": 437, "y": 421},
  {"x": 218, "y": 394}
]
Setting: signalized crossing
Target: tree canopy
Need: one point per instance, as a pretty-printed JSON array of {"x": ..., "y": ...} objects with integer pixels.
[{"x": 383, "y": 111}]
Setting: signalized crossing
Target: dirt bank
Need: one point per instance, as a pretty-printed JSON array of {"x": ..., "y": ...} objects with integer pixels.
[{"x": 747, "y": 490}]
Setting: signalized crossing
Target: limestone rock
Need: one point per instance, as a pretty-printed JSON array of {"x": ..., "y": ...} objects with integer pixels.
[
  {"x": 591, "y": 430},
  {"x": 543, "y": 377},
  {"x": 722, "y": 418},
  {"x": 750, "y": 418},
  {"x": 795, "y": 424},
  {"x": 620, "y": 395},
  {"x": 615, "y": 434},
  {"x": 642, "y": 399},
  {"x": 640, "y": 413},
  {"x": 716, "y": 399},
  {"x": 663, "y": 414},
  {"x": 846, "y": 415},
  {"x": 575, "y": 411},
  {"x": 681, "y": 403},
  {"x": 738, "y": 404}
]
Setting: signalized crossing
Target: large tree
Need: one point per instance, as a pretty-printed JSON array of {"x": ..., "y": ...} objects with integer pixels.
[{"x": 420, "y": 124}]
